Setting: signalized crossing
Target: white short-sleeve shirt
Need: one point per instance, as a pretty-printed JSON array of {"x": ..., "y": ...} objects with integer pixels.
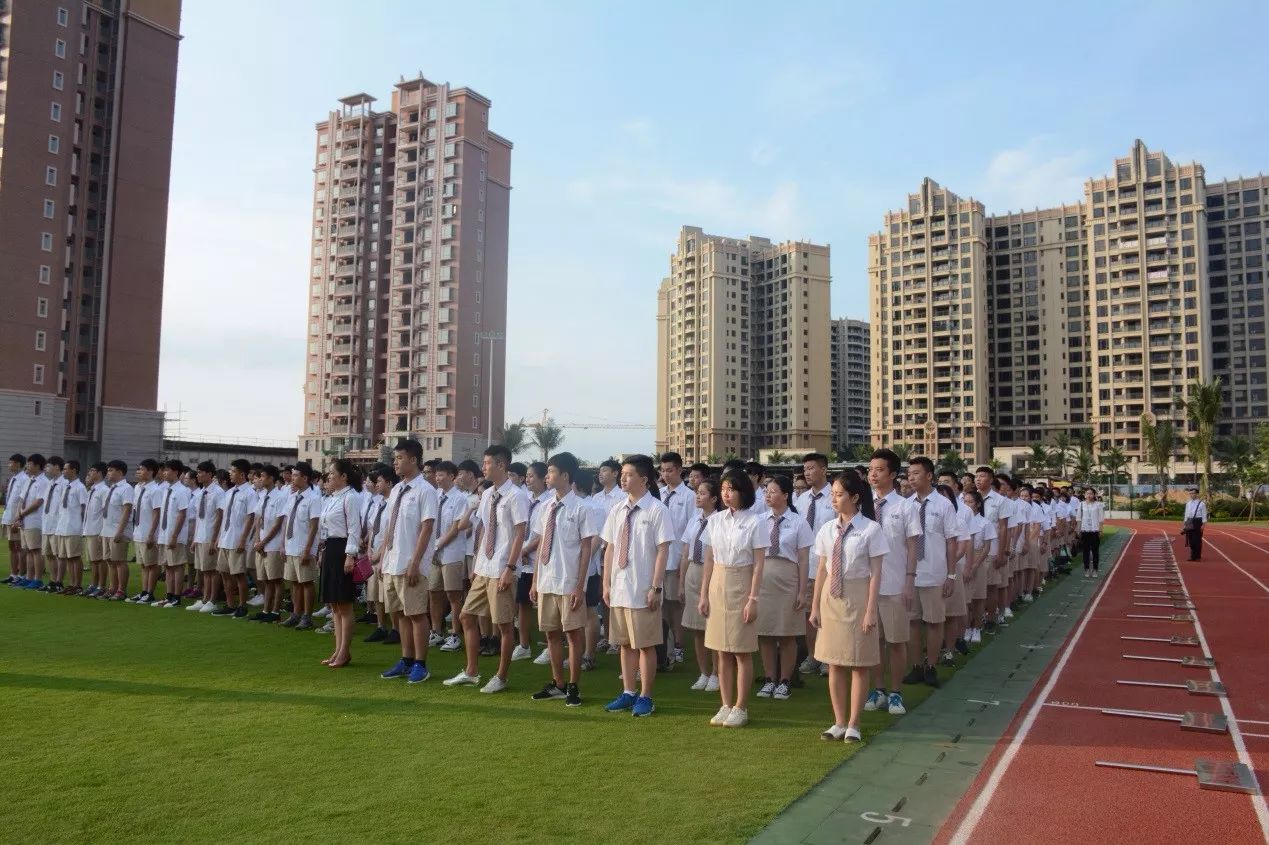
[
  {"x": 93, "y": 514},
  {"x": 36, "y": 491},
  {"x": 794, "y": 535},
  {"x": 272, "y": 508},
  {"x": 451, "y": 505},
  {"x": 14, "y": 489},
  {"x": 734, "y": 535},
  {"x": 536, "y": 503},
  {"x": 414, "y": 503},
  {"x": 865, "y": 541},
  {"x": 574, "y": 522},
  {"x": 118, "y": 496},
  {"x": 681, "y": 503},
  {"x": 70, "y": 515},
  {"x": 940, "y": 524},
  {"x": 149, "y": 498},
  {"x": 697, "y": 530},
  {"x": 816, "y": 506},
  {"x": 649, "y": 529},
  {"x": 512, "y": 510},
  {"x": 172, "y": 502},
  {"x": 236, "y": 504},
  {"x": 203, "y": 505},
  {"x": 300, "y": 510},
  {"x": 898, "y": 528}
]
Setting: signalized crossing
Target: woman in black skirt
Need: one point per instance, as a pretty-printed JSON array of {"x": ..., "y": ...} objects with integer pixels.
[{"x": 341, "y": 528}]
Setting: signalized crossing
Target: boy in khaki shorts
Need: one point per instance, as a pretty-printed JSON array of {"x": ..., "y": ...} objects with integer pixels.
[
  {"x": 91, "y": 531},
  {"x": 406, "y": 562},
  {"x": 500, "y": 537},
  {"x": 303, "y": 515},
  {"x": 932, "y": 522},
  {"x": 173, "y": 511},
  {"x": 892, "y": 609},
  {"x": 231, "y": 544},
  {"x": 269, "y": 545},
  {"x": 51, "y": 556},
  {"x": 448, "y": 570},
  {"x": 70, "y": 530},
  {"x": 116, "y": 528},
  {"x": 565, "y": 529},
  {"x": 145, "y": 527},
  {"x": 205, "y": 507}
]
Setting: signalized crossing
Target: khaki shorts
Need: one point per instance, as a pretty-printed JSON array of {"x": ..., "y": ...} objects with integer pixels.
[
  {"x": 50, "y": 546},
  {"x": 31, "y": 539},
  {"x": 298, "y": 573},
  {"x": 147, "y": 554},
  {"x": 374, "y": 586},
  {"x": 555, "y": 613},
  {"x": 446, "y": 577},
  {"x": 672, "y": 589},
  {"x": 470, "y": 566},
  {"x": 634, "y": 627},
  {"x": 118, "y": 550},
  {"x": 173, "y": 556},
  {"x": 95, "y": 546},
  {"x": 893, "y": 618},
  {"x": 232, "y": 562},
  {"x": 997, "y": 576},
  {"x": 69, "y": 547},
  {"x": 204, "y": 561},
  {"x": 400, "y": 597},
  {"x": 928, "y": 605},
  {"x": 485, "y": 599},
  {"x": 976, "y": 590},
  {"x": 270, "y": 566}
]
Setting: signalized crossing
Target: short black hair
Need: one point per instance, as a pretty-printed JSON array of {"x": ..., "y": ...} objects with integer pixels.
[
  {"x": 119, "y": 465},
  {"x": 431, "y": 463},
  {"x": 207, "y": 466},
  {"x": 389, "y": 475},
  {"x": 890, "y": 457},
  {"x": 642, "y": 464},
  {"x": 57, "y": 461},
  {"x": 150, "y": 464},
  {"x": 411, "y": 447},
  {"x": 499, "y": 453},
  {"x": 18, "y": 458},
  {"x": 471, "y": 466},
  {"x": 73, "y": 464},
  {"x": 734, "y": 463},
  {"x": 583, "y": 480},
  {"x": 446, "y": 466},
  {"x": 739, "y": 481},
  {"x": 242, "y": 465},
  {"x": 271, "y": 471},
  {"x": 100, "y": 466},
  {"x": 539, "y": 468},
  {"x": 985, "y": 469},
  {"x": 38, "y": 460},
  {"x": 611, "y": 464},
  {"x": 818, "y": 457},
  {"x": 565, "y": 462},
  {"x": 754, "y": 468},
  {"x": 288, "y": 467},
  {"x": 922, "y": 461},
  {"x": 517, "y": 468},
  {"x": 672, "y": 458},
  {"x": 174, "y": 465},
  {"x": 703, "y": 469},
  {"x": 256, "y": 466}
]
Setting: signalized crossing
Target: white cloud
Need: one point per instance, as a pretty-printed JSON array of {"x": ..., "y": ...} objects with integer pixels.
[
  {"x": 763, "y": 153},
  {"x": 1034, "y": 175}
]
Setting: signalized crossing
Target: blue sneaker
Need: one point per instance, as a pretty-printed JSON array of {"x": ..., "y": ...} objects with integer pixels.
[
  {"x": 399, "y": 671},
  {"x": 35, "y": 585},
  {"x": 643, "y": 706},
  {"x": 895, "y": 703},
  {"x": 20, "y": 583},
  {"x": 418, "y": 673},
  {"x": 622, "y": 702},
  {"x": 875, "y": 699}
]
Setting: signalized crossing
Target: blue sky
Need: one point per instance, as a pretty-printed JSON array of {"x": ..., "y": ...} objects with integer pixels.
[{"x": 792, "y": 120}]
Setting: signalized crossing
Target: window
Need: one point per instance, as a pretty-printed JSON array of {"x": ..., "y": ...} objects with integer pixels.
[
  {"x": 59, "y": 48},
  {"x": 46, "y": 241},
  {"x": 37, "y": 374},
  {"x": 54, "y": 144},
  {"x": 41, "y": 306},
  {"x": 41, "y": 341},
  {"x": 50, "y": 208},
  {"x": 63, "y": 17},
  {"x": 59, "y": 80},
  {"x": 46, "y": 274},
  {"x": 55, "y": 112}
]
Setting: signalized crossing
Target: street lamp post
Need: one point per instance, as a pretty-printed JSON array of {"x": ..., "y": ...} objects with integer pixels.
[{"x": 490, "y": 337}]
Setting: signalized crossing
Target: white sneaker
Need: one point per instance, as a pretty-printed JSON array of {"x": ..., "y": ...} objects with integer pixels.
[
  {"x": 712, "y": 684},
  {"x": 1094, "y": 574},
  {"x": 809, "y": 665},
  {"x": 256, "y": 601},
  {"x": 767, "y": 689},
  {"x": 542, "y": 659},
  {"x": 328, "y": 628},
  {"x": 208, "y": 607},
  {"x": 834, "y": 734},
  {"x": 782, "y": 692},
  {"x": 678, "y": 655},
  {"x": 1086, "y": 573},
  {"x": 1008, "y": 613},
  {"x": 196, "y": 606},
  {"x": 1028, "y": 598},
  {"x": 495, "y": 684},
  {"x": 975, "y": 635},
  {"x": 158, "y": 603},
  {"x": 720, "y": 718},
  {"x": 322, "y": 612},
  {"x": 434, "y": 639},
  {"x": 737, "y": 718},
  {"x": 853, "y": 735},
  {"x": 451, "y": 644},
  {"x": 700, "y": 683},
  {"x": 613, "y": 648},
  {"x": 461, "y": 679},
  {"x": 520, "y": 653}
]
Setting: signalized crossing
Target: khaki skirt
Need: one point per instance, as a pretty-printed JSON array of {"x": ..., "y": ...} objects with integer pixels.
[
  {"x": 776, "y": 616},
  {"x": 725, "y": 629},
  {"x": 841, "y": 640},
  {"x": 690, "y": 578}
]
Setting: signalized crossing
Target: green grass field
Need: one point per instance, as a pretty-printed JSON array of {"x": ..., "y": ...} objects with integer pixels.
[{"x": 126, "y": 723}]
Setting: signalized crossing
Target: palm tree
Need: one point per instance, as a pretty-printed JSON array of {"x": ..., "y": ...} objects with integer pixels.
[
  {"x": 903, "y": 451},
  {"x": 712, "y": 459},
  {"x": 1202, "y": 410},
  {"x": 1039, "y": 457},
  {"x": 546, "y": 436},
  {"x": 862, "y": 452},
  {"x": 1113, "y": 461},
  {"x": 1063, "y": 447},
  {"x": 1084, "y": 465},
  {"x": 952, "y": 462},
  {"x": 995, "y": 464},
  {"x": 777, "y": 457},
  {"x": 511, "y": 435},
  {"x": 1160, "y": 442},
  {"x": 1236, "y": 454}
]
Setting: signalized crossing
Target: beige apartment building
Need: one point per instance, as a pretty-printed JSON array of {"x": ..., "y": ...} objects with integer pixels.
[
  {"x": 1091, "y": 313},
  {"x": 408, "y": 293},
  {"x": 742, "y": 334}
]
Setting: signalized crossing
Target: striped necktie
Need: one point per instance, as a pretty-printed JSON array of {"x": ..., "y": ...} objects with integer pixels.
[
  {"x": 548, "y": 533},
  {"x": 698, "y": 547},
  {"x": 920, "y": 540},
  {"x": 492, "y": 535},
  {"x": 839, "y": 562},
  {"x": 623, "y": 540},
  {"x": 775, "y": 536}
]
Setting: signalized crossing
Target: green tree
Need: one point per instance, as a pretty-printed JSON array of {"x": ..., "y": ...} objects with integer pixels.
[
  {"x": 546, "y": 436},
  {"x": 1038, "y": 460},
  {"x": 952, "y": 462},
  {"x": 778, "y": 458},
  {"x": 1202, "y": 406},
  {"x": 1237, "y": 454},
  {"x": 1085, "y": 440},
  {"x": 995, "y": 464},
  {"x": 862, "y": 452},
  {"x": 511, "y": 435},
  {"x": 903, "y": 450},
  {"x": 1160, "y": 441},
  {"x": 1084, "y": 465},
  {"x": 1063, "y": 448},
  {"x": 1113, "y": 461},
  {"x": 713, "y": 459}
]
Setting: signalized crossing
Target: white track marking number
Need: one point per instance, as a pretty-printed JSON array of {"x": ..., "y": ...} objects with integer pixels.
[{"x": 878, "y": 818}]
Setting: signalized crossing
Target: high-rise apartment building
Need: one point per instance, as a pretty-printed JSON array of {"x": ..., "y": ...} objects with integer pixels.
[
  {"x": 742, "y": 334},
  {"x": 408, "y": 287},
  {"x": 87, "y": 93},
  {"x": 1095, "y": 313},
  {"x": 851, "y": 378}
]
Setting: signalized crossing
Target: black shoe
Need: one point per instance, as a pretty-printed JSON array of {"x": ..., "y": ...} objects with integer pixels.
[
  {"x": 394, "y": 637},
  {"x": 931, "y": 677},
  {"x": 990, "y": 626},
  {"x": 258, "y": 617},
  {"x": 486, "y": 647},
  {"x": 378, "y": 635},
  {"x": 306, "y": 624},
  {"x": 240, "y": 612},
  {"x": 1035, "y": 594},
  {"x": 366, "y": 618},
  {"x": 291, "y": 621},
  {"x": 915, "y": 676},
  {"x": 572, "y": 697},
  {"x": 962, "y": 646},
  {"x": 223, "y": 611},
  {"x": 271, "y": 618},
  {"x": 549, "y": 691}
]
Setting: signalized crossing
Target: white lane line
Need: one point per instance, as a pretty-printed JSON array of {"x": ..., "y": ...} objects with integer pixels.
[
  {"x": 1257, "y": 798},
  {"x": 975, "y": 813},
  {"x": 1230, "y": 561}
]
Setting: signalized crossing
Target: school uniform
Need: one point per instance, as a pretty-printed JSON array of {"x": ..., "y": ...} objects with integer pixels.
[
  {"x": 847, "y": 549},
  {"x": 679, "y": 501},
  {"x": 611, "y": 498},
  {"x": 447, "y": 564},
  {"x": 733, "y": 536},
  {"x": 235, "y": 508},
  {"x": 597, "y": 513},
  {"x": 993, "y": 510},
  {"x": 373, "y": 526},
  {"x": 94, "y": 515},
  {"x": 934, "y": 521},
  {"x": 1091, "y": 517},
  {"x": 982, "y": 535},
  {"x": 501, "y": 510},
  {"x": 892, "y": 612},
  {"x": 49, "y": 542},
  {"x": 1192, "y": 526},
  {"x": 1018, "y": 516},
  {"x": 340, "y": 528},
  {"x": 561, "y": 526},
  {"x": 174, "y": 501},
  {"x": 68, "y": 535},
  {"x": 957, "y": 604},
  {"x": 191, "y": 517},
  {"x": 635, "y": 530},
  {"x": 205, "y": 503},
  {"x": 33, "y": 523},
  {"x": 1035, "y": 516},
  {"x": 785, "y": 537},
  {"x": 410, "y": 504},
  {"x": 694, "y": 539},
  {"x": 524, "y": 567},
  {"x": 148, "y": 497},
  {"x": 469, "y": 545},
  {"x": 301, "y": 556},
  {"x": 118, "y": 497},
  {"x": 271, "y": 562},
  {"x": 13, "y": 491},
  {"x": 816, "y": 507}
]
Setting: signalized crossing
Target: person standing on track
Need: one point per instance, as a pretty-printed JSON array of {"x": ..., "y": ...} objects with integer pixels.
[
  {"x": 1091, "y": 516},
  {"x": 1192, "y": 527}
]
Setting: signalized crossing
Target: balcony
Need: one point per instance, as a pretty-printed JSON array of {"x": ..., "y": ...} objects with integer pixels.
[
  {"x": 345, "y": 310},
  {"x": 341, "y": 369},
  {"x": 349, "y": 269}
]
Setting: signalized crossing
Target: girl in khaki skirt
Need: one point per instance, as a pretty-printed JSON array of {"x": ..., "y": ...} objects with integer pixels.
[
  {"x": 730, "y": 585},
  {"x": 958, "y": 602},
  {"x": 782, "y": 601},
  {"x": 695, "y": 539},
  {"x": 978, "y": 562},
  {"x": 844, "y": 609}
]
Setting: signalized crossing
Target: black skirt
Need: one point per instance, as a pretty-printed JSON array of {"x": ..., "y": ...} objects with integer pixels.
[{"x": 337, "y": 585}]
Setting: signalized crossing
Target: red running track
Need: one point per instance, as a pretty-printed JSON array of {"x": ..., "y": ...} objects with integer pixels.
[{"x": 1041, "y": 783}]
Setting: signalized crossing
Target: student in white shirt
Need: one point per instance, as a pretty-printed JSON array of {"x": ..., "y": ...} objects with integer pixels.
[
  {"x": 693, "y": 541},
  {"x": 341, "y": 528},
  {"x": 929, "y": 580},
  {"x": 69, "y": 531},
  {"x": 782, "y": 603},
  {"x": 145, "y": 527},
  {"x": 850, "y": 550},
  {"x": 957, "y": 604},
  {"x": 116, "y": 527},
  {"x": 374, "y": 527},
  {"x": 91, "y": 530},
  {"x": 1034, "y": 520},
  {"x": 409, "y": 545},
  {"x": 978, "y": 552},
  {"x": 448, "y": 572},
  {"x": 12, "y": 495},
  {"x": 1192, "y": 524},
  {"x": 170, "y": 539},
  {"x": 535, "y": 486},
  {"x": 230, "y": 546},
  {"x": 30, "y": 522},
  {"x": 303, "y": 515},
  {"x": 190, "y": 479},
  {"x": 678, "y": 498},
  {"x": 638, "y": 535},
  {"x": 894, "y": 627},
  {"x": 205, "y": 508},
  {"x": 504, "y": 516},
  {"x": 611, "y": 493},
  {"x": 816, "y": 507},
  {"x": 597, "y": 513},
  {"x": 49, "y": 543},
  {"x": 986, "y": 483},
  {"x": 1091, "y": 516},
  {"x": 1014, "y": 511},
  {"x": 565, "y": 529}
]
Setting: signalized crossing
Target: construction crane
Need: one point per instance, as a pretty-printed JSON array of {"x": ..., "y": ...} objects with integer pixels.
[{"x": 610, "y": 426}]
